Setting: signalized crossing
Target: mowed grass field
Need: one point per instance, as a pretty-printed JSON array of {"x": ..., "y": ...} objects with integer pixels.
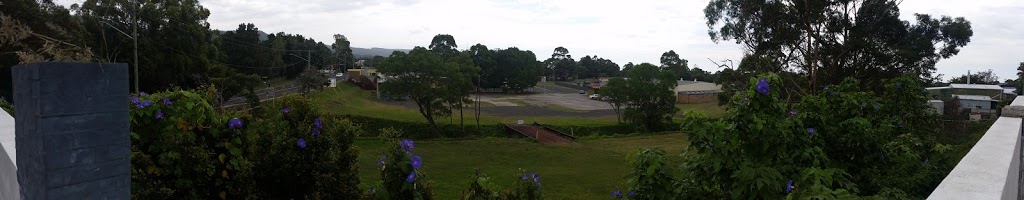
[
  {"x": 347, "y": 99},
  {"x": 588, "y": 169}
]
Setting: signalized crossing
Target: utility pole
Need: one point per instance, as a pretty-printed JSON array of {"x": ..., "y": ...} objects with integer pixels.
[{"x": 135, "y": 39}]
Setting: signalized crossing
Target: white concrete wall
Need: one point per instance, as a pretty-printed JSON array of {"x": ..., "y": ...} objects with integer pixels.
[
  {"x": 991, "y": 170},
  {"x": 9, "y": 188}
]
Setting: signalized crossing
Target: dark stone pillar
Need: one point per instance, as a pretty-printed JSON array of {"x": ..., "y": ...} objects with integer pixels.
[{"x": 72, "y": 131}]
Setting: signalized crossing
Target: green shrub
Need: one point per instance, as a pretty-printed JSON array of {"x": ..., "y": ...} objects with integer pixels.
[
  {"x": 401, "y": 177},
  {"x": 650, "y": 177},
  {"x": 182, "y": 148},
  {"x": 296, "y": 157},
  {"x": 527, "y": 186},
  {"x": 841, "y": 142}
]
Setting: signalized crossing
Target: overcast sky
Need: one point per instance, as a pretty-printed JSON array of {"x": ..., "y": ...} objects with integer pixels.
[{"x": 624, "y": 31}]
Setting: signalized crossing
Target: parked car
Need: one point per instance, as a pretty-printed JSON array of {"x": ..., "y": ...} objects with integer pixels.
[
  {"x": 583, "y": 91},
  {"x": 595, "y": 96}
]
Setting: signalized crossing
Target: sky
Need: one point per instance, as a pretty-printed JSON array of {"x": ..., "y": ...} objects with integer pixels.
[{"x": 623, "y": 31}]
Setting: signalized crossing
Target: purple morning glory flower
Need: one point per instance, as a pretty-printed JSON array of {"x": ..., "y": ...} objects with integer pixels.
[
  {"x": 617, "y": 194},
  {"x": 792, "y": 112},
  {"x": 899, "y": 85},
  {"x": 536, "y": 179},
  {"x": 2, "y": 98},
  {"x": 167, "y": 102},
  {"x": 411, "y": 177},
  {"x": 877, "y": 106},
  {"x": 302, "y": 143},
  {"x": 632, "y": 193},
  {"x": 762, "y": 87},
  {"x": 523, "y": 177},
  {"x": 145, "y": 103},
  {"x": 381, "y": 161},
  {"x": 235, "y": 123},
  {"x": 135, "y": 100},
  {"x": 407, "y": 145},
  {"x": 926, "y": 161},
  {"x": 789, "y": 186},
  {"x": 316, "y": 122},
  {"x": 416, "y": 162},
  {"x": 285, "y": 110},
  {"x": 316, "y": 132},
  {"x": 811, "y": 130},
  {"x": 159, "y": 115}
]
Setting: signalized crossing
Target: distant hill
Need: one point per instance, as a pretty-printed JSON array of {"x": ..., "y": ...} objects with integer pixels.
[{"x": 371, "y": 52}]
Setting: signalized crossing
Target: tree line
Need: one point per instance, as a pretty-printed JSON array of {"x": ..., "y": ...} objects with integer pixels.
[{"x": 176, "y": 46}]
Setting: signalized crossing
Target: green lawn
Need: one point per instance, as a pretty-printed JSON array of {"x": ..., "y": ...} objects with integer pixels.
[
  {"x": 712, "y": 109},
  {"x": 347, "y": 99},
  {"x": 588, "y": 169}
]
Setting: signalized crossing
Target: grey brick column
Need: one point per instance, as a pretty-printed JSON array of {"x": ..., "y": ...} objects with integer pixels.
[{"x": 72, "y": 130}]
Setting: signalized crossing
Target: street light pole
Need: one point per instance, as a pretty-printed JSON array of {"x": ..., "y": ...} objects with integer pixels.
[{"x": 135, "y": 38}]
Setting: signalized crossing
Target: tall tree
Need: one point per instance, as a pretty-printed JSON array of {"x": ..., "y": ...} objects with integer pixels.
[
  {"x": 615, "y": 90},
  {"x": 625, "y": 69},
  {"x": 41, "y": 29},
  {"x": 593, "y": 66},
  {"x": 422, "y": 76},
  {"x": 1020, "y": 78},
  {"x": 176, "y": 45},
  {"x": 243, "y": 50},
  {"x": 561, "y": 65},
  {"x": 647, "y": 95},
  {"x": 343, "y": 51},
  {"x": 444, "y": 45},
  {"x": 516, "y": 69},
  {"x": 671, "y": 61},
  {"x": 830, "y": 40}
]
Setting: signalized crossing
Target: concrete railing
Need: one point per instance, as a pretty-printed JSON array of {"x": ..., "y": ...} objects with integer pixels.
[
  {"x": 991, "y": 170},
  {"x": 9, "y": 188}
]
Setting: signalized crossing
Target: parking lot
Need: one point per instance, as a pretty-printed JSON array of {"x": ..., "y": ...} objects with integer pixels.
[{"x": 551, "y": 96}]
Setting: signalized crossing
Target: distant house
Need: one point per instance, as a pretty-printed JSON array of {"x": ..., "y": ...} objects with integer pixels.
[
  {"x": 696, "y": 92},
  {"x": 994, "y": 91},
  {"x": 981, "y": 100},
  {"x": 365, "y": 78},
  {"x": 981, "y": 107}
]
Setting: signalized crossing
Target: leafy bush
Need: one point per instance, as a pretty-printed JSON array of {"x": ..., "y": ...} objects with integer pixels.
[
  {"x": 651, "y": 177},
  {"x": 401, "y": 177},
  {"x": 311, "y": 80},
  {"x": 183, "y": 149},
  {"x": 841, "y": 142},
  {"x": 527, "y": 186},
  {"x": 296, "y": 154}
]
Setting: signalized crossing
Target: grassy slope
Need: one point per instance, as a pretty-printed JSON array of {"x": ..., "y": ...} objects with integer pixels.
[
  {"x": 711, "y": 109},
  {"x": 589, "y": 169},
  {"x": 348, "y": 99}
]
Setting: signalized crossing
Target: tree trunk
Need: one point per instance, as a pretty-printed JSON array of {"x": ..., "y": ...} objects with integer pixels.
[
  {"x": 462, "y": 120},
  {"x": 427, "y": 111}
]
